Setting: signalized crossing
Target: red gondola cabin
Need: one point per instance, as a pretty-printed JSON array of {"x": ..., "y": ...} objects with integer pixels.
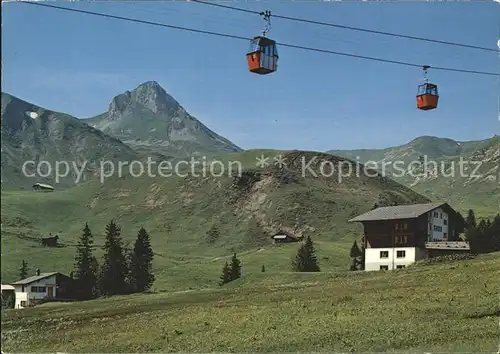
[
  {"x": 262, "y": 57},
  {"x": 427, "y": 96}
]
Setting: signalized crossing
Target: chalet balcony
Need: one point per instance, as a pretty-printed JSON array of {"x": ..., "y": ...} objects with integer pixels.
[{"x": 450, "y": 245}]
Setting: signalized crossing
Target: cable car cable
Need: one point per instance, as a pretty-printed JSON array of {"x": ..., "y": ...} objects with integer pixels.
[
  {"x": 349, "y": 27},
  {"x": 246, "y": 39}
]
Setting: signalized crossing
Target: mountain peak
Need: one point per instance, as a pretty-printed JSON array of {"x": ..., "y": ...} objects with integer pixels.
[
  {"x": 151, "y": 86},
  {"x": 149, "y": 94},
  {"x": 148, "y": 116}
]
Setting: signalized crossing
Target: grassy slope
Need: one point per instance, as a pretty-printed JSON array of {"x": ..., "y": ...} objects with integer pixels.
[
  {"x": 179, "y": 211},
  {"x": 440, "y": 308}
]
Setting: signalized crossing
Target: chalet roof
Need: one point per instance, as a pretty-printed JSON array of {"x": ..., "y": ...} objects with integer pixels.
[
  {"x": 34, "y": 278},
  {"x": 43, "y": 185},
  {"x": 7, "y": 287},
  {"x": 287, "y": 233},
  {"x": 410, "y": 211}
]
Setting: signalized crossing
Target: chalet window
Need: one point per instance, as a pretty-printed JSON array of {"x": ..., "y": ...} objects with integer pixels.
[
  {"x": 384, "y": 267},
  {"x": 401, "y": 239},
  {"x": 445, "y": 222},
  {"x": 400, "y": 254},
  {"x": 38, "y": 289},
  {"x": 384, "y": 254},
  {"x": 402, "y": 226},
  {"x": 445, "y": 235},
  {"x": 23, "y": 303},
  {"x": 440, "y": 215},
  {"x": 400, "y": 266}
]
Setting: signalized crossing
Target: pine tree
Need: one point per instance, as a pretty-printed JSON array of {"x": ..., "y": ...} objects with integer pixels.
[
  {"x": 305, "y": 259},
  {"x": 495, "y": 232},
  {"x": 114, "y": 268},
  {"x": 470, "y": 221},
  {"x": 23, "y": 271},
  {"x": 85, "y": 277},
  {"x": 141, "y": 267},
  {"x": 263, "y": 269},
  {"x": 94, "y": 266},
  {"x": 356, "y": 254},
  {"x": 235, "y": 268},
  {"x": 226, "y": 275},
  {"x": 460, "y": 225},
  {"x": 363, "y": 253}
]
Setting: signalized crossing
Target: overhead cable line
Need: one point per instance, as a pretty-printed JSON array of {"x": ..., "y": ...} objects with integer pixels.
[
  {"x": 247, "y": 39},
  {"x": 349, "y": 27}
]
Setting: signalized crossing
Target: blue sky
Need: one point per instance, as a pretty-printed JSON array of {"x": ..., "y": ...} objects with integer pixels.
[{"x": 77, "y": 63}]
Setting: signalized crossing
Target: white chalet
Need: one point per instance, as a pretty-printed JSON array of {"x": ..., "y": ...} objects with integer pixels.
[{"x": 42, "y": 286}]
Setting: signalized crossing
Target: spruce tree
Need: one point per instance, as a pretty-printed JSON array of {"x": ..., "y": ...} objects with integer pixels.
[
  {"x": 94, "y": 266},
  {"x": 235, "y": 268},
  {"x": 226, "y": 275},
  {"x": 85, "y": 277},
  {"x": 141, "y": 267},
  {"x": 114, "y": 267},
  {"x": 23, "y": 271},
  {"x": 460, "y": 225},
  {"x": 471, "y": 220},
  {"x": 356, "y": 255},
  {"x": 495, "y": 233},
  {"x": 305, "y": 259},
  {"x": 263, "y": 269}
]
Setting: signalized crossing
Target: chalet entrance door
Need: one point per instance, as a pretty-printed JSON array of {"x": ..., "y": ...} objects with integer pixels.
[{"x": 50, "y": 291}]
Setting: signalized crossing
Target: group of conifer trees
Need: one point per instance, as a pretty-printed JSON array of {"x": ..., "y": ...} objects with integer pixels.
[
  {"x": 230, "y": 271},
  {"x": 305, "y": 261},
  {"x": 123, "y": 270},
  {"x": 483, "y": 236}
]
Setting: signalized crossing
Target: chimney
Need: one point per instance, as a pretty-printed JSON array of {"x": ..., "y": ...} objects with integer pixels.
[{"x": 38, "y": 271}]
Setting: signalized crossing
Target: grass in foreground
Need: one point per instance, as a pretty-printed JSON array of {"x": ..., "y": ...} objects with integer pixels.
[{"x": 450, "y": 307}]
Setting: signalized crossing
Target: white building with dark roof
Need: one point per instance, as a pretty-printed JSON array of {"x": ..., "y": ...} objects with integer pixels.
[
  {"x": 397, "y": 236},
  {"x": 41, "y": 287}
]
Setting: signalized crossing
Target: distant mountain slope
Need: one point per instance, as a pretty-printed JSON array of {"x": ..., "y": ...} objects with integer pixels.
[
  {"x": 477, "y": 187},
  {"x": 32, "y": 133},
  {"x": 431, "y": 146},
  {"x": 149, "y": 118}
]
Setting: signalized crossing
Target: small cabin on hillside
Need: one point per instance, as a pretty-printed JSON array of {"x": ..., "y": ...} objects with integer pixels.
[
  {"x": 397, "y": 236},
  {"x": 42, "y": 287},
  {"x": 285, "y": 237},
  {"x": 43, "y": 187}
]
